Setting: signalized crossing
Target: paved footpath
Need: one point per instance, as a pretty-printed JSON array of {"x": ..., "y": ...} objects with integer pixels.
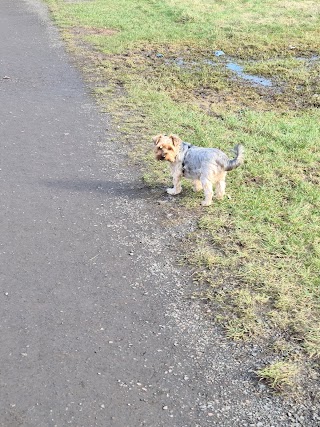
[{"x": 95, "y": 329}]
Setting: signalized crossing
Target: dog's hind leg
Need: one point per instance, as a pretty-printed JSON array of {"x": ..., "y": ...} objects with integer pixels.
[
  {"x": 197, "y": 186},
  {"x": 208, "y": 193},
  {"x": 220, "y": 189}
]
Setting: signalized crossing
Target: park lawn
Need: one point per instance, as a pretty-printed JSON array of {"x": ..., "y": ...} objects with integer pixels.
[{"x": 256, "y": 254}]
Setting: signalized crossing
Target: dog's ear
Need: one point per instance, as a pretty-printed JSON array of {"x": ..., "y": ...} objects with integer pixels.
[
  {"x": 175, "y": 140},
  {"x": 156, "y": 139}
]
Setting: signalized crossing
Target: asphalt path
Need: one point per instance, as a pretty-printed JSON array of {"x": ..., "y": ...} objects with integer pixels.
[{"x": 95, "y": 327}]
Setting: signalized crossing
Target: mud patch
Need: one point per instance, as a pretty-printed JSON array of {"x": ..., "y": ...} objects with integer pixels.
[
  {"x": 214, "y": 81},
  {"x": 312, "y": 175},
  {"x": 91, "y": 31},
  {"x": 263, "y": 85},
  {"x": 190, "y": 76},
  {"x": 229, "y": 63},
  {"x": 238, "y": 69}
]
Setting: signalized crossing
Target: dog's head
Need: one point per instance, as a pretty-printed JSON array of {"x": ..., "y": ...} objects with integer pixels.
[{"x": 166, "y": 147}]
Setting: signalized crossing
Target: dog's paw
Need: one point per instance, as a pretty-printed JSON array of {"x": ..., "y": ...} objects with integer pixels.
[
  {"x": 173, "y": 191},
  {"x": 206, "y": 203}
]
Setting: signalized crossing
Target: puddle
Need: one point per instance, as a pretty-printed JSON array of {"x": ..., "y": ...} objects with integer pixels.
[
  {"x": 230, "y": 65},
  {"x": 236, "y": 68},
  {"x": 311, "y": 59},
  {"x": 180, "y": 62},
  {"x": 219, "y": 53}
]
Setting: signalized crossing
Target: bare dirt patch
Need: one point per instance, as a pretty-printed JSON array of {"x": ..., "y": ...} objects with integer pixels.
[
  {"x": 193, "y": 75},
  {"x": 89, "y": 31}
]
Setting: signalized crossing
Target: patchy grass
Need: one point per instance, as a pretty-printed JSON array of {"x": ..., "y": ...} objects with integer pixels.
[
  {"x": 249, "y": 28},
  {"x": 281, "y": 375},
  {"x": 256, "y": 254}
]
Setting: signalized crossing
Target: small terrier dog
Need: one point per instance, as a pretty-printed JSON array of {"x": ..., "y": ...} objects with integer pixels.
[{"x": 205, "y": 166}]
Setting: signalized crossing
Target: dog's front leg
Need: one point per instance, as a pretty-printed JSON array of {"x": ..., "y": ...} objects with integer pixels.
[{"x": 176, "y": 175}]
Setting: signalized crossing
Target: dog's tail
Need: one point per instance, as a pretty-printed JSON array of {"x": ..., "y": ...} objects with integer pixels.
[{"x": 238, "y": 160}]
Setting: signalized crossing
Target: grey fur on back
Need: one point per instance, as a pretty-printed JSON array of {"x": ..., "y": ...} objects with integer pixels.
[{"x": 194, "y": 157}]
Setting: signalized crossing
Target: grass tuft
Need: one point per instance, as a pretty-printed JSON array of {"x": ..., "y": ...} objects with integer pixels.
[{"x": 281, "y": 375}]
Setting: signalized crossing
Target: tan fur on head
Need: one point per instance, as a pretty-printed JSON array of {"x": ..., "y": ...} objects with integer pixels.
[
  {"x": 175, "y": 140},
  {"x": 166, "y": 147}
]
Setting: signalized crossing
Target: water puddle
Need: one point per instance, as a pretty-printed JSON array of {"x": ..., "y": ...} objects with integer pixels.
[
  {"x": 238, "y": 70},
  {"x": 230, "y": 65},
  {"x": 219, "y": 53},
  {"x": 313, "y": 58},
  {"x": 222, "y": 59},
  {"x": 179, "y": 62}
]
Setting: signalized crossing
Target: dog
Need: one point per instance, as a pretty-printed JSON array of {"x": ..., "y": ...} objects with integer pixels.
[{"x": 204, "y": 166}]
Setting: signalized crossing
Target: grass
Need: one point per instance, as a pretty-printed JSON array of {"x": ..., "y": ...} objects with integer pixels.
[
  {"x": 256, "y": 254},
  {"x": 281, "y": 375}
]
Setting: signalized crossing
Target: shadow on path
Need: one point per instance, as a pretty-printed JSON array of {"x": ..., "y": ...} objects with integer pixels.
[{"x": 133, "y": 190}]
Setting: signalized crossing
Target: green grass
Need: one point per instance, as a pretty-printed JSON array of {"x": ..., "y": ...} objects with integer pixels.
[
  {"x": 256, "y": 254},
  {"x": 281, "y": 375},
  {"x": 238, "y": 25}
]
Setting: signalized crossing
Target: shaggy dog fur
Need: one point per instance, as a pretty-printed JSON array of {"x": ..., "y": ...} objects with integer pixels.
[{"x": 204, "y": 166}]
